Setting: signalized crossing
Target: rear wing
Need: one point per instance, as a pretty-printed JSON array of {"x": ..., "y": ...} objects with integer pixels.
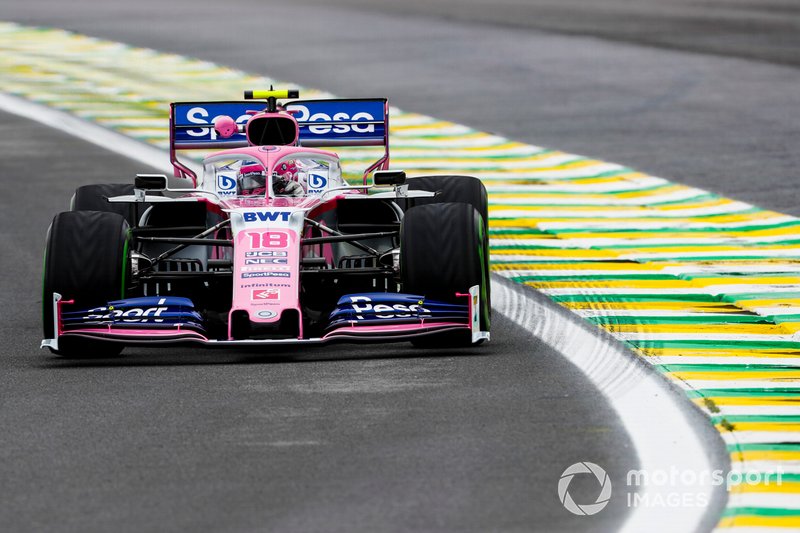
[{"x": 322, "y": 123}]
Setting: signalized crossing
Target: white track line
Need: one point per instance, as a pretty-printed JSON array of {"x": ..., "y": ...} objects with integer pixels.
[
  {"x": 105, "y": 138},
  {"x": 651, "y": 411}
]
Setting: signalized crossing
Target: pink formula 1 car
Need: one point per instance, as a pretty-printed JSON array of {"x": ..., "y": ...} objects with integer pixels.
[{"x": 268, "y": 244}]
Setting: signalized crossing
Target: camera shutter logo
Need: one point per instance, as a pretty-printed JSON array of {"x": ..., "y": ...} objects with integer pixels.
[{"x": 590, "y": 508}]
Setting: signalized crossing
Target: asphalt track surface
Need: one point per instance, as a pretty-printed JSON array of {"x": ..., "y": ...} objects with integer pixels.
[
  {"x": 763, "y": 30},
  {"x": 364, "y": 438}
]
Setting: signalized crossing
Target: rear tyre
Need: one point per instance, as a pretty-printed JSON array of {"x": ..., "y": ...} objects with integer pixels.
[
  {"x": 443, "y": 251},
  {"x": 463, "y": 189},
  {"x": 94, "y": 198},
  {"x": 86, "y": 261}
]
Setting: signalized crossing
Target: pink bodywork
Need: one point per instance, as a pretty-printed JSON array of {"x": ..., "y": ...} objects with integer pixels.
[
  {"x": 265, "y": 298},
  {"x": 269, "y": 248}
]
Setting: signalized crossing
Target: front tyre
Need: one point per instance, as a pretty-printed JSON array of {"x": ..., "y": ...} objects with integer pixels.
[
  {"x": 443, "y": 251},
  {"x": 461, "y": 189},
  {"x": 86, "y": 261}
]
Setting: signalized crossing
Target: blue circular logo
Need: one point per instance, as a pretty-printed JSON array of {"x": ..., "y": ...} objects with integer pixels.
[
  {"x": 225, "y": 183},
  {"x": 315, "y": 181}
]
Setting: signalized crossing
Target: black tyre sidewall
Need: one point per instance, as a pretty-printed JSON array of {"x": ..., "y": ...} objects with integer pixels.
[
  {"x": 443, "y": 251},
  {"x": 85, "y": 261},
  {"x": 457, "y": 188},
  {"x": 94, "y": 198},
  {"x": 451, "y": 188}
]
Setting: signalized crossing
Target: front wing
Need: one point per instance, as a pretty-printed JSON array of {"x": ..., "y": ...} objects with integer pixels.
[{"x": 357, "y": 318}]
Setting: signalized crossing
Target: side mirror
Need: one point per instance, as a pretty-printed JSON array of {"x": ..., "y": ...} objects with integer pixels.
[
  {"x": 389, "y": 177},
  {"x": 150, "y": 182}
]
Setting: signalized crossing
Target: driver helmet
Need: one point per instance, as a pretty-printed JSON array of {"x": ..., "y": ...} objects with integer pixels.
[
  {"x": 286, "y": 170},
  {"x": 285, "y": 179},
  {"x": 252, "y": 180}
]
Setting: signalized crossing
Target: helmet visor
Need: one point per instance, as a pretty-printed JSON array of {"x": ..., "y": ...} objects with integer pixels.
[{"x": 252, "y": 180}]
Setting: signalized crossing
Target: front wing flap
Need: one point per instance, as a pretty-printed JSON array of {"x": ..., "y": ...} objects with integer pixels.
[{"x": 375, "y": 317}]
